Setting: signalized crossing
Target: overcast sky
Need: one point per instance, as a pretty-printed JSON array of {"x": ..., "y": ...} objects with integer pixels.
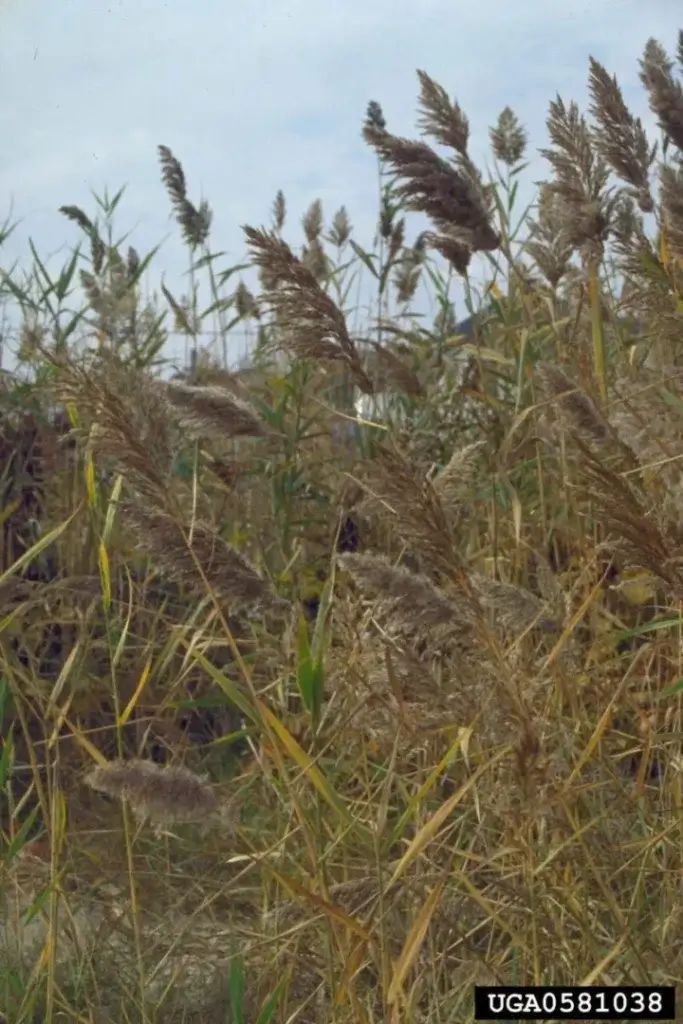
[{"x": 270, "y": 94}]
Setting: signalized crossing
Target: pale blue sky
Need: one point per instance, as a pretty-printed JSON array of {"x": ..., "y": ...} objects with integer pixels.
[{"x": 271, "y": 94}]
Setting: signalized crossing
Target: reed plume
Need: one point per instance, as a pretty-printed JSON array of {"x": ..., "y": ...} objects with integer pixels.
[
  {"x": 580, "y": 180},
  {"x": 418, "y": 515},
  {"x": 309, "y": 322},
  {"x": 620, "y": 138},
  {"x": 664, "y": 91},
  {"x": 180, "y": 553},
  {"x": 129, "y": 420},
  {"x": 508, "y": 138},
  {"x": 195, "y": 222},
  {"x": 578, "y": 412},
  {"x": 411, "y": 598},
  {"x": 159, "y": 795},
  {"x": 514, "y": 608},
  {"x": 212, "y": 412},
  {"x": 453, "y": 197}
]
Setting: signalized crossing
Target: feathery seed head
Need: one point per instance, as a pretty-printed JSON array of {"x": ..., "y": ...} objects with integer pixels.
[
  {"x": 340, "y": 231},
  {"x": 410, "y": 598},
  {"x": 444, "y": 120},
  {"x": 374, "y": 116},
  {"x": 312, "y": 325},
  {"x": 671, "y": 197},
  {"x": 195, "y": 222},
  {"x": 312, "y": 221},
  {"x": 162, "y": 796},
  {"x": 212, "y": 412},
  {"x": 279, "y": 211},
  {"x": 665, "y": 92},
  {"x": 245, "y": 303},
  {"x": 514, "y": 608},
  {"x": 580, "y": 182},
  {"x": 620, "y": 138},
  {"x": 227, "y": 572},
  {"x": 508, "y": 138},
  {"x": 579, "y": 412}
]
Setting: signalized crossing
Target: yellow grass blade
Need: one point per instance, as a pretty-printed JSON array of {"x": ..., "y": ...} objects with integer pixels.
[
  {"x": 413, "y": 942},
  {"x": 346, "y": 988},
  {"x": 90, "y": 486},
  {"x": 430, "y": 829},
  {"x": 43, "y": 542},
  {"x": 330, "y": 910},
  {"x": 461, "y": 742},
  {"x": 85, "y": 743},
  {"x": 232, "y": 692},
  {"x": 111, "y": 509},
  {"x": 571, "y": 626},
  {"x": 64, "y": 673},
  {"x": 105, "y": 575},
  {"x": 603, "y": 723},
  {"x": 142, "y": 682},
  {"x": 598, "y": 970},
  {"x": 308, "y": 767},
  {"x": 487, "y": 355}
]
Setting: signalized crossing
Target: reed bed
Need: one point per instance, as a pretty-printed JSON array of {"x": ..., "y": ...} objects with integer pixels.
[{"x": 335, "y": 685}]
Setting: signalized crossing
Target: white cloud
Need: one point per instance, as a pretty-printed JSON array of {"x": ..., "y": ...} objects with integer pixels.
[{"x": 271, "y": 94}]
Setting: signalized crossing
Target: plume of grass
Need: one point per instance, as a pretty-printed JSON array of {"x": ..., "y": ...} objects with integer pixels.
[
  {"x": 409, "y": 597},
  {"x": 213, "y": 412},
  {"x": 549, "y": 245},
  {"x": 194, "y": 222},
  {"x": 340, "y": 229},
  {"x": 664, "y": 91},
  {"x": 514, "y": 608},
  {"x": 311, "y": 324},
  {"x": 579, "y": 412},
  {"x": 230, "y": 576},
  {"x": 581, "y": 185},
  {"x": 671, "y": 199},
  {"x": 581, "y": 177},
  {"x": 453, "y": 482},
  {"x": 643, "y": 419},
  {"x": 442, "y": 118},
  {"x": 632, "y": 524},
  {"x": 418, "y": 515},
  {"x": 453, "y": 198},
  {"x": 387, "y": 370},
  {"x": 130, "y": 421},
  {"x": 97, "y": 246},
  {"x": 312, "y": 221},
  {"x": 246, "y": 305},
  {"x": 374, "y": 115},
  {"x": 279, "y": 211},
  {"x": 508, "y": 138},
  {"x": 621, "y": 138},
  {"x": 162, "y": 796},
  {"x": 408, "y": 271}
]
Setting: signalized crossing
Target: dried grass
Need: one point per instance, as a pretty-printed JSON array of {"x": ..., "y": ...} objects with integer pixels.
[
  {"x": 198, "y": 557},
  {"x": 213, "y": 412},
  {"x": 161, "y": 796},
  {"x": 474, "y": 752}
]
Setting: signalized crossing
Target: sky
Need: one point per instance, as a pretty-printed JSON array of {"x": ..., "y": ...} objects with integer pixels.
[{"x": 271, "y": 94}]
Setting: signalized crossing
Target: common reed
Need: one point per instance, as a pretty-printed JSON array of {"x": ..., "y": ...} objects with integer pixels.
[
  {"x": 161, "y": 796},
  {"x": 455, "y": 749}
]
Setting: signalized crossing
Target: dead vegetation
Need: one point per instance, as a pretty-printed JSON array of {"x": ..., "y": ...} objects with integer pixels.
[{"x": 381, "y": 636}]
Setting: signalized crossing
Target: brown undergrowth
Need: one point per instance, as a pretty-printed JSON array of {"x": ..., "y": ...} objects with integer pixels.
[{"x": 335, "y": 685}]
